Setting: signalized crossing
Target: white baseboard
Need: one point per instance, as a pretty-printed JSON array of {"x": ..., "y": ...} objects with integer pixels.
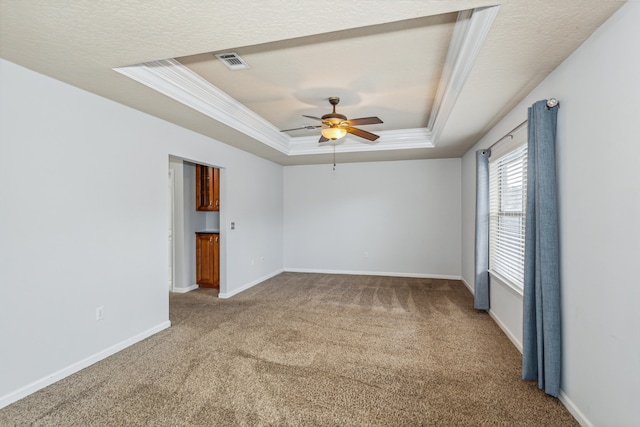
[
  {"x": 373, "y": 273},
  {"x": 78, "y": 366},
  {"x": 185, "y": 290},
  {"x": 506, "y": 331},
  {"x": 224, "y": 295},
  {"x": 473, "y": 292},
  {"x": 568, "y": 403},
  {"x": 573, "y": 409},
  {"x": 496, "y": 319}
]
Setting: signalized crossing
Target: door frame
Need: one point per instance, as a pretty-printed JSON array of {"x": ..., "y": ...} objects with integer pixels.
[{"x": 171, "y": 226}]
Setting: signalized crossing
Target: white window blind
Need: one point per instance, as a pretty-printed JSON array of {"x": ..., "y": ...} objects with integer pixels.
[{"x": 507, "y": 213}]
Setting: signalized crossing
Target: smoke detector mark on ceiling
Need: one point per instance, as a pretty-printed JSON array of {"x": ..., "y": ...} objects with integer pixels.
[{"x": 233, "y": 61}]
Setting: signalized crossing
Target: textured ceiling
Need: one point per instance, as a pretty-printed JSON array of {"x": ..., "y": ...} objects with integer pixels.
[{"x": 292, "y": 47}]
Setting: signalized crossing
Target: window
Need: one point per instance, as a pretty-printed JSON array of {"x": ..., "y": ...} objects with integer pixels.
[{"x": 507, "y": 212}]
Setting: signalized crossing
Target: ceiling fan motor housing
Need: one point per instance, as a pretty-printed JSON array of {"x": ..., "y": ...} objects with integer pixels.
[{"x": 334, "y": 118}]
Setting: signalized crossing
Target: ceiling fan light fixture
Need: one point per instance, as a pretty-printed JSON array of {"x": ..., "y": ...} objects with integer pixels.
[
  {"x": 336, "y": 126},
  {"x": 334, "y": 133}
]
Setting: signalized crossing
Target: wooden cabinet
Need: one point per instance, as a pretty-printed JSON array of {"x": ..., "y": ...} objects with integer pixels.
[
  {"x": 207, "y": 243},
  {"x": 207, "y": 188},
  {"x": 208, "y": 260}
]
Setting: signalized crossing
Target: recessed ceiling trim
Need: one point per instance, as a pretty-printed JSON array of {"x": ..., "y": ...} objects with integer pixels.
[
  {"x": 389, "y": 140},
  {"x": 469, "y": 34},
  {"x": 178, "y": 82}
]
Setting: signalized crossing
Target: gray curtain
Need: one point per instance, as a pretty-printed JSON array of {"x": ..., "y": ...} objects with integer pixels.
[
  {"x": 541, "y": 311},
  {"x": 481, "y": 292}
]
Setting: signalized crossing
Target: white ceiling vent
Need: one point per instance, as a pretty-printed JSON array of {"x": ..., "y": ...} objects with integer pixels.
[{"x": 233, "y": 61}]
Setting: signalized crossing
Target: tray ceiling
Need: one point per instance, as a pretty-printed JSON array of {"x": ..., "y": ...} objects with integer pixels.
[{"x": 439, "y": 74}]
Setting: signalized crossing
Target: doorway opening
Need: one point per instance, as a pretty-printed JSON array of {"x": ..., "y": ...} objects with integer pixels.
[{"x": 186, "y": 221}]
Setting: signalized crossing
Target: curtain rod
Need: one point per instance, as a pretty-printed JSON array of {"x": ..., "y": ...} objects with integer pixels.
[
  {"x": 510, "y": 133},
  {"x": 551, "y": 102}
]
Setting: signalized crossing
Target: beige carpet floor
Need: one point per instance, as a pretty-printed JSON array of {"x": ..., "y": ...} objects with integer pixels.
[{"x": 308, "y": 350}]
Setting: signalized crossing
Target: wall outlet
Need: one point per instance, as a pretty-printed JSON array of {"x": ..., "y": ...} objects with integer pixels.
[{"x": 100, "y": 313}]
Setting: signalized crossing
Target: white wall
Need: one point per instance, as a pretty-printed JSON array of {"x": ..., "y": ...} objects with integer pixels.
[
  {"x": 251, "y": 196},
  {"x": 84, "y": 224},
  {"x": 599, "y": 194},
  {"x": 397, "y": 218}
]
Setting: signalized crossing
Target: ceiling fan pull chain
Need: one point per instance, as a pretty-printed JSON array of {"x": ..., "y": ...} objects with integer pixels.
[{"x": 334, "y": 157}]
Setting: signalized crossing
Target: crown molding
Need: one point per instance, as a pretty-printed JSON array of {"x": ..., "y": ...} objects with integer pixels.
[
  {"x": 469, "y": 34},
  {"x": 389, "y": 140},
  {"x": 178, "y": 82}
]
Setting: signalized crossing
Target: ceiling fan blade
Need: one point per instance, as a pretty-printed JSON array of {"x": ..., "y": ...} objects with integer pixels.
[
  {"x": 363, "y": 134},
  {"x": 364, "y": 121},
  {"x": 311, "y": 117},
  {"x": 322, "y": 139},
  {"x": 307, "y": 127}
]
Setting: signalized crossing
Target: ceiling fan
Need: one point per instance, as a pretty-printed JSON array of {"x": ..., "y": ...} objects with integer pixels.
[{"x": 335, "y": 126}]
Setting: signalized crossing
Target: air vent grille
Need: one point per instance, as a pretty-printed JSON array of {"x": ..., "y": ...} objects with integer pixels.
[{"x": 233, "y": 61}]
